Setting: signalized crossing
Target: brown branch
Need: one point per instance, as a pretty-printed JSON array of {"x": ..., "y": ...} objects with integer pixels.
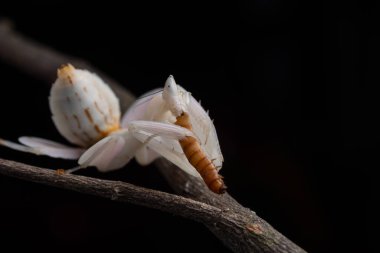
[
  {"x": 237, "y": 227},
  {"x": 114, "y": 190}
]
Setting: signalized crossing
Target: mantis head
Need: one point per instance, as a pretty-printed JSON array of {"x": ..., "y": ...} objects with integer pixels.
[{"x": 171, "y": 96}]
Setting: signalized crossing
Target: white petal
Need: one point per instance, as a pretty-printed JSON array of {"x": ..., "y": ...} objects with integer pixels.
[
  {"x": 145, "y": 155},
  {"x": 204, "y": 129},
  {"x": 158, "y": 128},
  {"x": 138, "y": 110},
  {"x": 112, "y": 152},
  {"x": 165, "y": 142},
  {"x": 41, "y": 146}
]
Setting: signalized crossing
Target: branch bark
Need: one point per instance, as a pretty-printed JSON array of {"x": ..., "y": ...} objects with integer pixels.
[{"x": 237, "y": 227}]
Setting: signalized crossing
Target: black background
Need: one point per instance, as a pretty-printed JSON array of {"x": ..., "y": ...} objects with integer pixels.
[{"x": 291, "y": 88}]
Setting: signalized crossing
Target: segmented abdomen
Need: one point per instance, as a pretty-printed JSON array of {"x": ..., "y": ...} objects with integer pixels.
[
  {"x": 199, "y": 159},
  {"x": 84, "y": 109}
]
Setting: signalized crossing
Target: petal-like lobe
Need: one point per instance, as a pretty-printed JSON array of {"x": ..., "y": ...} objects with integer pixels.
[
  {"x": 41, "y": 146},
  {"x": 112, "y": 152}
]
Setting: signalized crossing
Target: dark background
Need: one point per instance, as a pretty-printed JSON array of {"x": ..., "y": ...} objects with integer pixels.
[{"x": 290, "y": 85}]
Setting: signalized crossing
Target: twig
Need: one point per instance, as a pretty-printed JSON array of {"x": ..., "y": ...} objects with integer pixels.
[
  {"x": 42, "y": 62},
  {"x": 237, "y": 227},
  {"x": 114, "y": 190}
]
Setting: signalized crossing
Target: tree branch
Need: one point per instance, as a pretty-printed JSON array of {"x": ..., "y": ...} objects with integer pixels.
[
  {"x": 237, "y": 227},
  {"x": 114, "y": 190},
  {"x": 42, "y": 62}
]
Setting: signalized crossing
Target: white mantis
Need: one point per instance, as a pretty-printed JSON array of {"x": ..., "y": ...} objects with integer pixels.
[{"x": 165, "y": 122}]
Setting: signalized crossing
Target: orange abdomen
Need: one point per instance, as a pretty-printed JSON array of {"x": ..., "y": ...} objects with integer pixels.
[{"x": 199, "y": 159}]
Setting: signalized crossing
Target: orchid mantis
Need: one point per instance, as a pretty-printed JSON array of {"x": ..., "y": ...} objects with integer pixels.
[
  {"x": 166, "y": 122},
  {"x": 174, "y": 125}
]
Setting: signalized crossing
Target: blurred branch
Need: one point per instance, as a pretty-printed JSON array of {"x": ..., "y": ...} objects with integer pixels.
[
  {"x": 42, "y": 62},
  {"x": 237, "y": 227}
]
